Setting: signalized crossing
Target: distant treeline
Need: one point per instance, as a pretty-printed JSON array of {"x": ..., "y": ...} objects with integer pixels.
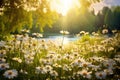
[{"x": 77, "y": 20}]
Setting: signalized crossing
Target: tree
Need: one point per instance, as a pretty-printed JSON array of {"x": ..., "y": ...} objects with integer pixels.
[
  {"x": 108, "y": 20},
  {"x": 17, "y": 14},
  {"x": 116, "y": 18},
  {"x": 112, "y": 18},
  {"x": 79, "y": 21},
  {"x": 43, "y": 16}
]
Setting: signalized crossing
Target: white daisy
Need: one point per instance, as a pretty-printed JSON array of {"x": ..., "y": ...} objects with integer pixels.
[
  {"x": 2, "y": 60},
  {"x": 53, "y": 73},
  {"x": 4, "y": 66},
  {"x": 10, "y": 74},
  {"x": 108, "y": 71},
  {"x": 17, "y": 59},
  {"x": 85, "y": 74},
  {"x": 86, "y": 64},
  {"x": 2, "y": 53},
  {"x": 104, "y": 31},
  {"x": 48, "y": 68},
  {"x": 100, "y": 75},
  {"x": 2, "y": 43}
]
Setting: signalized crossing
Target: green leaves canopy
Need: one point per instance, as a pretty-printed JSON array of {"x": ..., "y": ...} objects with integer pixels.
[{"x": 17, "y": 14}]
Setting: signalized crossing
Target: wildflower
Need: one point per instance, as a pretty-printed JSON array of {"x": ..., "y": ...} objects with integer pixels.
[
  {"x": 46, "y": 61},
  {"x": 78, "y": 62},
  {"x": 2, "y": 60},
  {"x": 17, "y": 59},
  {"x": 104, "y": 31},
  {"x": 98, "y": 59},
  {"x": 44, "y": 46},
  {"x": 10, "y": 74},
  {"x": 66, "y": 68},
  {"x": 86, "y": 33},
  {"x": 108, "y": 71},
  {"x": 18, "y": 37},
  {"x": 42, "y": 40},
  {"x": 2, "y": 53},
  {"x": 50, "y": 56},
  {"x": 117, "y": 60},
  {"x": 95, "y": 34},
  {"x": 101, "y": 48},
  {"x": 40, "y": 70},
  {"x": 25, "y": 31},
  {"x": 114, "y": 31},
  {"x": 53, "y": 73},
  {"x": 68, "y": 56},
  {"x": 117, "y": 56},
  {"x": 29, "y": 58},
  {"x": 2, "y": 43},
  {"x": 37, "y": 34},
  {"x": 63, "y": 77},
  {"x": 110, "y": 49},
  {"x": 85, "y": 74},
  {"x": 85, "y": 64},
  {"x": 109, "y": 63},
  {"x": 48, "y": 68},
  {"x": 58, "y": 57},
  {"x": 100, "y": 75},
  {"x": 95, "y": 68},
  {"x": 75, "y": 54},
  {"x": 82, "y": 32},
  {"x": 4, "y": 66},
  {"x": 64, "y": 32},
  {"x": 48, "y": 79},
  {"x": 57, "y": 65}
]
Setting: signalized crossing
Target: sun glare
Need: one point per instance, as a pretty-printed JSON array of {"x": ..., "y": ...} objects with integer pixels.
[{"x": 63, "y": 6}]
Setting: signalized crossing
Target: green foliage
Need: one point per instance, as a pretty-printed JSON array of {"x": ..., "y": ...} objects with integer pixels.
[
  {"x": 85, "y": 38},
  {"x": 74, "y": 22},
  {"x": 80, "y": 21},
  {"x": 109, "y": 17},
  {"x": 19, "y": 14},
  {"x": 43, "y": 16}
]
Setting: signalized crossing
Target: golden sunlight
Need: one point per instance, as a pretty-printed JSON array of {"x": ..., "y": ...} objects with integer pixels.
[{"x": 63, "y": 6}]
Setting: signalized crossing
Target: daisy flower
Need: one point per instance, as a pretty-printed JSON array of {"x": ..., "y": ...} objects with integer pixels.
[
  {"x": 40, "y": 70},
  {"x": 48, "y": 68},
  {"x": 104, "y": 31},
  {"x": 85, "y": 74},
  {"x": 2, "y": 43},
  {"x": 100, "y": 75},
  {"x": 108, "y": 71},
  {"x": 17, "y": 59},
  {"x": 4, "y": 66},
  {"x": 2, "y": 60},
  {"x": 2, "y": 53},
  {"x": 53, "y": 73},
  {"x": 10, "y": 74}
]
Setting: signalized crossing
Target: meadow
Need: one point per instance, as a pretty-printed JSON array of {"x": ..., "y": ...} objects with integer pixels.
[{"x": 92, "y": 57}]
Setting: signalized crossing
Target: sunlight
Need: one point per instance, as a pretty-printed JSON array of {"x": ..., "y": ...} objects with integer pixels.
[{"x": 63, "y": 6}]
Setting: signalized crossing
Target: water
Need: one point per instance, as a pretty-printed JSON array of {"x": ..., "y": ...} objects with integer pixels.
[{"x": 67, "y": 38}]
